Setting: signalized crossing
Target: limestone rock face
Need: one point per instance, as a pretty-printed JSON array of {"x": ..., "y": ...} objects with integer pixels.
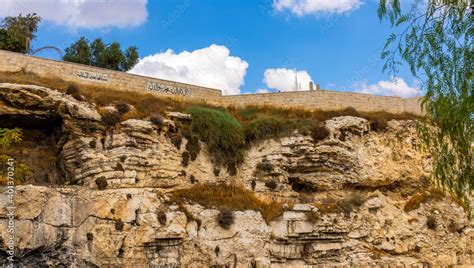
[{"x": 115, "y": 211}]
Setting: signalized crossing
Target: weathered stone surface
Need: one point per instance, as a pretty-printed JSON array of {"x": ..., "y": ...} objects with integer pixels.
[{"x": 68, "y": 225}]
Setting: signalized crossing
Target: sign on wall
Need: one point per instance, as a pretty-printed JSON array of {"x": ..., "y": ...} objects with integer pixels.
[
  {"x": 168, "y": 89},
  {"x": 91, "y": 76}
]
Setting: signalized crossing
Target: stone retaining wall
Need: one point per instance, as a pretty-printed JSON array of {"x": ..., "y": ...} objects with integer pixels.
[{"x": 87, "y": 75}]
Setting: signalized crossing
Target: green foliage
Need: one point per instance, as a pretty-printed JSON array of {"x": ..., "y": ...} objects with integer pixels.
[
  {"x": 270, "y": 126},
  {"x": 9, "y": 136},
  {"x": 10, "y": 43},
  {"x": 16, "y": 33},
  {"x": 222, "y": 133},
  {"x": 436, "y": 42},
  {"x": 109, "y": 56},
  {"x": 21, "y": 173},
  {"x": 79, "y": 52}
]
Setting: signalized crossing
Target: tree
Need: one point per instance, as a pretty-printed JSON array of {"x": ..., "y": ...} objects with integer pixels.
[
  {"x": 98, "y": 48},
  {"x": 109, "y": 56},
  {"x": 435, "y": 39},
  {"x": 79, "y": 52},
  {"x": 131, "y": 58},
  {"x": 17, "y": 33}
]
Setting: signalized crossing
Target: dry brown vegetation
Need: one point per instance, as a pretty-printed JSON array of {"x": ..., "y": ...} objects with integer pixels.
[
  {"x": 147, "y": 103},
  {"x": 227, "y": 197},
  {"x": 344, "y": 205},
  {"x": 423, "y": 197},
  {"x": 227, "y": 132}
]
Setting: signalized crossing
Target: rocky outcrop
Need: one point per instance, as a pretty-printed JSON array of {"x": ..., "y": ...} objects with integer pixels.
[
  {"x": 114, "y": 207},
  {"x": 121, "y": 227}
]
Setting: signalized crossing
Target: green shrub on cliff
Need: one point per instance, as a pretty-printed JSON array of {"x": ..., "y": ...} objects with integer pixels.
[
  {"x": 222, "y": 133},
  {"x": 9, "y": 136},
  {"x": 268, "y": 126}
]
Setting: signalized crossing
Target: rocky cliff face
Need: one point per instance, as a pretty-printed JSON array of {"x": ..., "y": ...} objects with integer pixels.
[{"x": 105, "y": 200}]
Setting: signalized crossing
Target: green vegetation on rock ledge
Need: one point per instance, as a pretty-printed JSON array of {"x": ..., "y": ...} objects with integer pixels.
[
  {"x": 228, "y": 132},
  {"x": 21, "y": 171},
  {"x": 222, "y": 133}
]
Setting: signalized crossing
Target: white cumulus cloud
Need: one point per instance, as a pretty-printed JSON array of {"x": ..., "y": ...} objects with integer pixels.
[
  {"x": 81, "y": 13},
  {"x": 396, "y": 87},
  {"x": 283, "y": 79},
  {"x": 210, "y": 67},
  {"x": 306, "y": 7}
]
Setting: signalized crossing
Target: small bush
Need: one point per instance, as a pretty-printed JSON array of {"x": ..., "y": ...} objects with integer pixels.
[
  {"x": 192, "y": 179},
  {"x": 119, "y": 167},
  {"x": 119, "y": 225},
  {"x": 185, "y": 159},
  {"x": 271, "y": 185},
  {"x": 73, "y": 90},
  {"x": 227, "y": 197},
  {"x": 216, "y": 171},
  {"x": 193, "y": 147},
  {"x": 379, "y": 124},
  {"x": 221, "y": 132},
  {"x": 122, "y": 108},
  {"x": 225, "y": 219},
  {"x": 110, "y": 118},
  {"x": 101, "y": 183},
  {"x": 161, "y": 217},
  {"x": 177, "y": 139},
  {"x": 431, "y": 222},
  {"x": 265, "y": 166},
  {"x": 319, "y": 133},
  {"x": 157, "y": 120},
  {"x": 92, "y": 144}
]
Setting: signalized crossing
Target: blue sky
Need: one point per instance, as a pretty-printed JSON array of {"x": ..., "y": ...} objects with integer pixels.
[{"x": 258, "y": 43}]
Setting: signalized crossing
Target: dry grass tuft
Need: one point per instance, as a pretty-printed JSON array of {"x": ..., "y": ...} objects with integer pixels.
[
  {"x": 228, "y": 197},
  {"x": 345, "y": 205},
  {"x": 423, "y": 197},
  {"x": 148, "y": 103}
]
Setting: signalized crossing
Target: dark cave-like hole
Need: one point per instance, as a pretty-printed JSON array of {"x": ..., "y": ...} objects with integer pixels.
[
  {"x": 45, "y": 124},
  {"x": 301, "y": 186},
  {"x": 36, "y": 156}
]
